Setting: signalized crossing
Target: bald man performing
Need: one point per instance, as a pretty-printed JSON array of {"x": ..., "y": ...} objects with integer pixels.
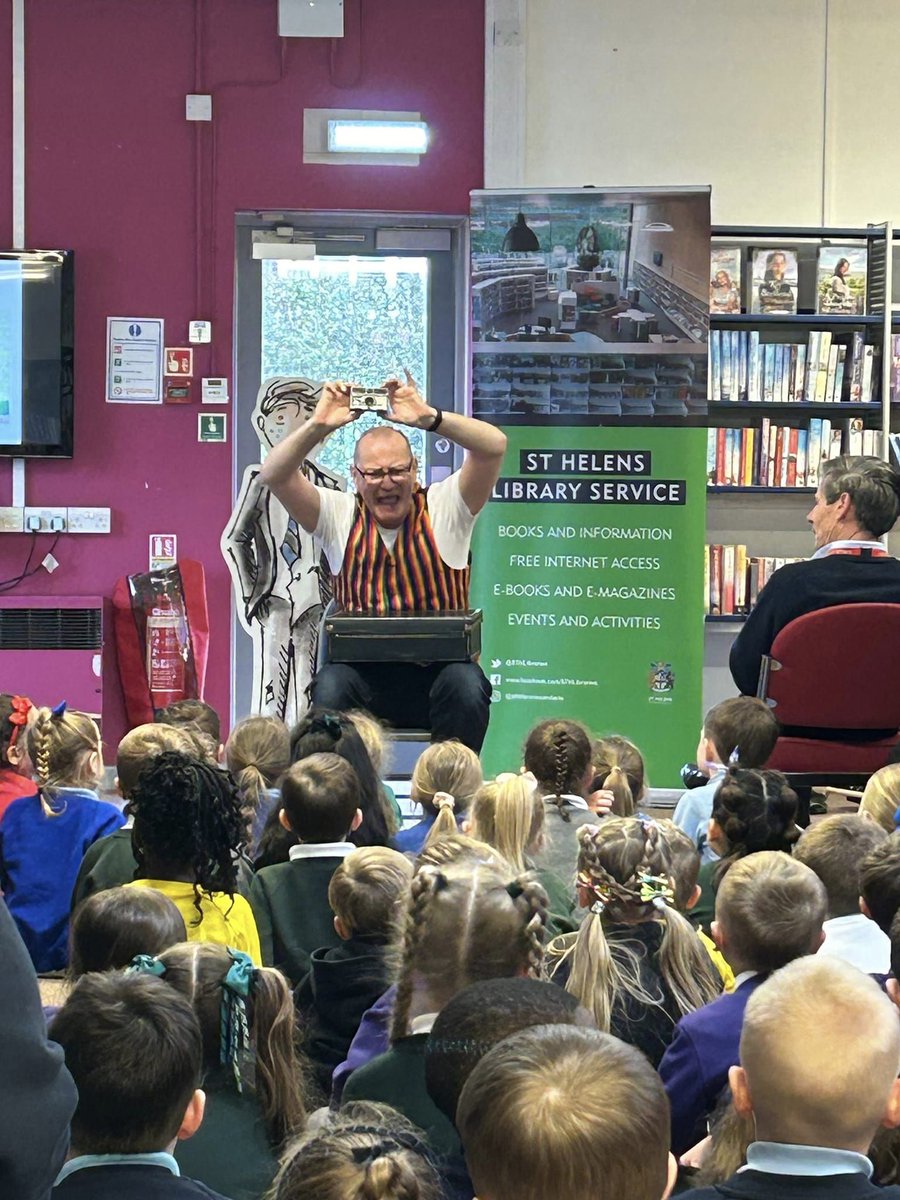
[{"x": 396, "y": 548}]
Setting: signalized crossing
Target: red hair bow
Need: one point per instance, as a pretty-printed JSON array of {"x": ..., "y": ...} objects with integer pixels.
[{"x": 21, "y": 707}]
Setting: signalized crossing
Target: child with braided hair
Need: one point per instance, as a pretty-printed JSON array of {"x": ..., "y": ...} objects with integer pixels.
[
  {"x": 445, "y": 778},
  {"x": 558, "y": 755},
  {"x": 43, "y": 837},
  {"x": 466, "y": 921},
  {"x": 368, "y": 1152},
  {"x": 187, "y": 824},
  {"x": 252, "y": 1077},
  {"x": 16, "y": 714},
  {"x": 752, "y": 811},
  {"x": 635, "y": 962}
]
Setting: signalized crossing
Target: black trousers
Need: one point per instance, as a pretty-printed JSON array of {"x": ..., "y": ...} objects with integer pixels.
[{"x": 453, "y": 700}]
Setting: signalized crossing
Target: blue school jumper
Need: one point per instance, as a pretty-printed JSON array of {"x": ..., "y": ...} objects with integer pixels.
[{"x": 39, "y": 861}]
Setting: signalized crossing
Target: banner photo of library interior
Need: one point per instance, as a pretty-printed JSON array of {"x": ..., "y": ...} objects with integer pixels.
[{"x": 590, "y": 303}]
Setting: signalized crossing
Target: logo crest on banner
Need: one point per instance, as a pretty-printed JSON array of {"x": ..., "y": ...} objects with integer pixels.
[{"x": 661, "y": 679}]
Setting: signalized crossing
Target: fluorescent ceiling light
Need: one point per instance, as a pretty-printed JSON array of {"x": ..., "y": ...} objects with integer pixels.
[{"x": 377, "y": 137}]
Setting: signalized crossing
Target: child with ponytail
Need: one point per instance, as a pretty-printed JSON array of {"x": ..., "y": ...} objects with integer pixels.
[
  {"x": 187, "y": 825},
  {"x": 252, "y": 1076},
  {"x": 635, "y": 962},
  {"x": 752, "y": 811},
  {"x": 558, "y": 755},
  {"x": 43, "y": 837},
  {"x": 257, "y": 753},
  {"x": 467, "y": 920},
  {"x": 16, "y": 714},
  {"x": 618, "y": 768},
  {"x": 509, "y": 815},
  {"x": 444, "y": 780}
]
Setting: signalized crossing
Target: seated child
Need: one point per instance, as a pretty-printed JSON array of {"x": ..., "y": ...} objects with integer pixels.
[
  {"x": 43, "y": 837},
  {"x": 558, "y": 755},
  {"x": 468, "y": 920},
  {"x": 618, "y": 768},
  {"x": 561, "y": 1112},
  {"x": 819, "y": 1058},
  {"x": 187, "y": 824},
  {"x": 200, "y": 721},
  {"x": 879, "y": 883},
  {"x": 881, "y": 797},
  {"x": 134, "y": 1049},
  {"x": 445, "y": 778},
  {"x": 635, "y": 962},
  {"x": 257, "y": 753},
  {"x": 769, "y": 911},
  {"x": 368, "y": 894},
  {"x": 368, "y": 1152},
  {"x": 509, "y": 815},
  {"x": 109, "y": 929},
  {"x": 251, "y": 1073},
  {"x": 752, "y": 810},
  {"x": 377, "y": 743},
  {"x": 110, "y": 861},
  {"x": 739, "y": 732},
  {"x": 685, "y": 871},
  {"x": 320, "y": 807},
  {"x": 835, "y": 849},
  {"x": 16, "y": 713}
]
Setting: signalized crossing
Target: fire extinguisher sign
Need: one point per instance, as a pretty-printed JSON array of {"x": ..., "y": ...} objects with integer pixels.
[{"x": 163, "y": 551}]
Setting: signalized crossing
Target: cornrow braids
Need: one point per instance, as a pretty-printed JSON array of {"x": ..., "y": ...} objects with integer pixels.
[
  {"x": 755, "y": 810},
  {"x": 60, "y": 744},
  {"x": 187, "y": 818},
  {"x": 466, "y": 921},
  {"x": 624, "y": 865}
]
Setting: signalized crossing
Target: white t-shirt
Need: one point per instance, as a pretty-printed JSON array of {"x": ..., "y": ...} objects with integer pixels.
[{"x": 450, "y": 519}]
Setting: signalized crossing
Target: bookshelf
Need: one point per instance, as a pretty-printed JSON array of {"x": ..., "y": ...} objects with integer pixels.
[{"x": 769, "y": 517}]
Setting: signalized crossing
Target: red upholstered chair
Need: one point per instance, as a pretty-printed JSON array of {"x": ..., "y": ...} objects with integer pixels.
[{"x": 835, "y": 669}]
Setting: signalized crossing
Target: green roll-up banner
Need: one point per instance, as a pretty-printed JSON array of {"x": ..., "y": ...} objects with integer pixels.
[
  {"x": 589, "y": 568},
  {"x": 589, "y": 339}
]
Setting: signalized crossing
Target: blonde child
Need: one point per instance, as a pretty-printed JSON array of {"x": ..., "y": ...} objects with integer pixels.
[
  {"x": 16, "y": 714},
  {"x": 881, "y": 797},
  {"x": 509, "y": 815},
  {"x": 635, "y": 963},
  {"x": 257, "y": 753},
  {"x": 187, "y": 825},
  {"x": 252, "y": 1075},
  {"x": 43, "y": 837},
  {"x": 468, "y": 920},
  {"x": 445, "y": 778}
]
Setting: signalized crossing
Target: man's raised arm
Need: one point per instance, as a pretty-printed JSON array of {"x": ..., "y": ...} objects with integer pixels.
[
  {"x": 484, "y": 444},
  {"x": 281, "y": 471}
]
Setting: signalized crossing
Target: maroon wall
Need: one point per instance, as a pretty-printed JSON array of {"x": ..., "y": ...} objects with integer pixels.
[{"x": 147, "y": 201}]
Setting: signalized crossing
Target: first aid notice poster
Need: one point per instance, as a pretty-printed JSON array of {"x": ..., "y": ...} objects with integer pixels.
[{"x": 134, "y": 360}]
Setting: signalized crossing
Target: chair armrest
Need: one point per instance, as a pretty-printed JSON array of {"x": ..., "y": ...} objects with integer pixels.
[{"x": 767, "y": 664}]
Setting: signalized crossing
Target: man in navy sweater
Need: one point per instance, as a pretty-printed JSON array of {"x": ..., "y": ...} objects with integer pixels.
[
  {"x": 858, "y": 500},
  {"x": 816, "y": 1102}
]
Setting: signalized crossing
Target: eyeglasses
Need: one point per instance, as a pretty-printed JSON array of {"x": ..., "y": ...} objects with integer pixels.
[{"x": 380, "y": 473}]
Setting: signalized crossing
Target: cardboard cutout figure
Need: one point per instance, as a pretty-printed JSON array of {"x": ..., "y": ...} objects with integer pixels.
[{"x": 282, "y": 583}]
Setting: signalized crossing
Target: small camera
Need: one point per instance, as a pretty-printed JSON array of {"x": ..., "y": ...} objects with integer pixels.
[{"x": 363, "y": 399}]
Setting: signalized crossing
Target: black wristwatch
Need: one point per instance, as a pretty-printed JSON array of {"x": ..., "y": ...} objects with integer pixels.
[{"x": 436, "y": 423}]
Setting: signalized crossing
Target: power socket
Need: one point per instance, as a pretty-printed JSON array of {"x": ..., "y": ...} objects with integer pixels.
[
  {"x": 89, "y": 520},
  {"x": 12, "y": 520},
  {"x": 46, "y": 520}
]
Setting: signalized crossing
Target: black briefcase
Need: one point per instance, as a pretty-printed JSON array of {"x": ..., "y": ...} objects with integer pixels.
[{"x": 412, "y": 637}]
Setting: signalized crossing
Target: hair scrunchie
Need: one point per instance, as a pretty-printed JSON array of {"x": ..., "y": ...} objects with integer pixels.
[
  {"x": 327, "y": 723},
  {"x": 146, "y": 964},
  {"x": 444, "y": 800}
]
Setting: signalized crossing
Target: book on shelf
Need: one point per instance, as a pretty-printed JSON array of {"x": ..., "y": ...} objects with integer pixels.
[
  {"x": 895, "y": 368},
  {"x": 733, "y": 578},
  {"x": 725, "y": 279},
  {"x": 773, "y": 283},
  {"x": 841, "y": 280},
  {"x": 784, "y": 456},
  {"x": 822, "y": 371}
]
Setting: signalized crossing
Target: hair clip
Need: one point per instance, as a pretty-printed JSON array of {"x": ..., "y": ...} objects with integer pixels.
[
  {"x": 60, "y": 709},
  {"x": 734, "y": 757},
  {"x": 654, "y": 888},
  {"x": 514, "y": 889},
  {"x": 145, "y": 964}
]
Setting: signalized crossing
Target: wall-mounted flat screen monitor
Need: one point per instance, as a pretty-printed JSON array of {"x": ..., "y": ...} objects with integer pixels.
[{"x": 37, "y": 325}]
